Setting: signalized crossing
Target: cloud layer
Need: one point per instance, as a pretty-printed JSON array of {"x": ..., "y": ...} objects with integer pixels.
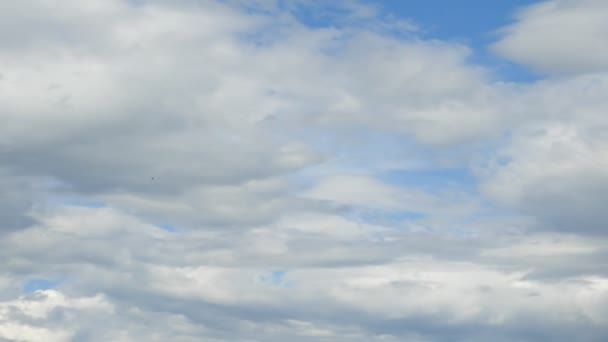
[{"x": 229, "y": 171}]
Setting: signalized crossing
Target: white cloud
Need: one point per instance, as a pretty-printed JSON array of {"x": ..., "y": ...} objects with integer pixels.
[
  {"x": 553, "y": 166},
  {"x": 266, "y": 143},
  {"x": 206, "y": 96},
  {"x": 22, "y": 317},
  {"x": 558, "y": 37},
  {"x": 203, "y": 281}
]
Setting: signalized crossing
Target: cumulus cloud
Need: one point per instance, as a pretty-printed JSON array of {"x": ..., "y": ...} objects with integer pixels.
[
  {"x": 558, "y": 37},
  {"x": 554, "y": 166},
  {"x": 230, "y": 171},
  {"x": 330, "y": 276}
]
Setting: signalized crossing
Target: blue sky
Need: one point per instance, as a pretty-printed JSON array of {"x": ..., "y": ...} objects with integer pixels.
[
  {"x": 472, "y": 22},
  {"x": 39, "y": 284}
]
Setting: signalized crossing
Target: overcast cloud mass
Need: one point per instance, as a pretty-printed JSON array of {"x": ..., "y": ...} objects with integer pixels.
[{"x": 300, "y": 170}]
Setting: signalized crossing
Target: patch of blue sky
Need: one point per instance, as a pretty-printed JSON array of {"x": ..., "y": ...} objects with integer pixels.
[
  {"x": 74, "y": 201},
  {"x": 80, "y": 202},
  {"x": 389, "y": 158},
  {"x": 474, "y": 23},
  {"x": 391, "y": 218},
  {"x": 39, "y": 284},
  {"x": 502, "y": 69},
  {"x": 361, "y": 149},
  {"x": 318, "y": 14},
  {"x": 169, "y": 228},
  {"x": 432, "y": 180},
  {"x": 275, "y": 278}
]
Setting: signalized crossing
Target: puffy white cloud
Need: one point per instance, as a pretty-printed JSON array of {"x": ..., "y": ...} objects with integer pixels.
[
  {"x": 191, "y": 95},
  {"x": 553, "y": 167},
  {"x": 558, "y": 37},
  {"x": 35, "y": 317}
]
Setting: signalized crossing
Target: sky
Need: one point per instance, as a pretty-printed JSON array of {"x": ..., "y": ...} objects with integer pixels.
[{"x": 303, "y": 170}]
